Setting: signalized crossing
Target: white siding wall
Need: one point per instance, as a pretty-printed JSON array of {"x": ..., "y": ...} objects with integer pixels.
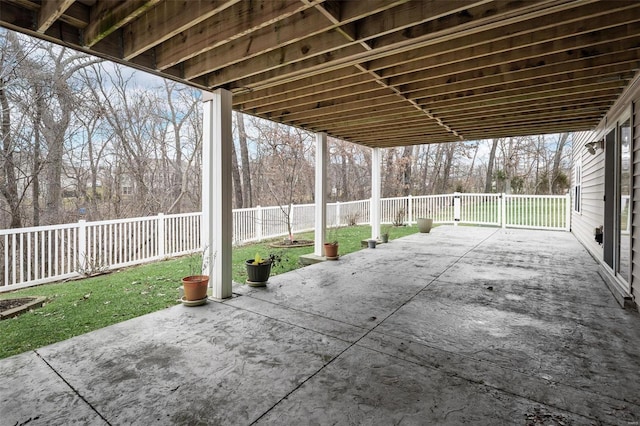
[
  {"x": 591, "y": 215},
  {"x": 591, "y": 212},
  {"x": 635, "y": 199}
]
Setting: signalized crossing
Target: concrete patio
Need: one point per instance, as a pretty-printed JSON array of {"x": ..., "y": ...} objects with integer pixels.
[{"x": 463, "y": 325}]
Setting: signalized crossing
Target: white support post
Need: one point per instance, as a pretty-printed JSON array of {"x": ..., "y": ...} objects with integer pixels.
[
  {"x": 375, "y": 193},
  {"x": 217, "y": 215},
  {"x": 161, "y": 236},
  {"x": 410, "y": 207},
  {"x": 456, "y": 208},
  {"x": 321, "y": 194}
]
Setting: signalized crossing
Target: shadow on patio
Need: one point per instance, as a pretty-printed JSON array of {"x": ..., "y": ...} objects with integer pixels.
[{"x": 475, "y": 325}]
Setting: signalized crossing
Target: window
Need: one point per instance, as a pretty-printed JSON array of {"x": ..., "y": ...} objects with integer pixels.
[{"x": 577, "y": 188}]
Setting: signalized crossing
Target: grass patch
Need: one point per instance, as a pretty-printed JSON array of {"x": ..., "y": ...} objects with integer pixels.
[{"x": 78, "y": 307}]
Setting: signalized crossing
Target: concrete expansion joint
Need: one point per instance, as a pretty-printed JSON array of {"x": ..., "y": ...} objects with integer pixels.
[
  {"x": 74, "y": 390},
  {"x": 296, "y": 324}
]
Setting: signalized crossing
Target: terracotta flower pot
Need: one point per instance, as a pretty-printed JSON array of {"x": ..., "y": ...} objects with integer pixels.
[
  {"x": 331, "y": 250},
  {"x": 195, "y": 287}
]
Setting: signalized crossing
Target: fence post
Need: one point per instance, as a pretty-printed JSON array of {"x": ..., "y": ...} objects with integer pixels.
[
  {"x": 81, "y": 251},
  {"x": 503, "y": 210},
  {"x": 160, "y": 236},
  {"x": 410, "y": 208},
  {"x": 338, "y": 219},
  {"x": 456, "y": 208},
  {"x": 567, "y": 223}
]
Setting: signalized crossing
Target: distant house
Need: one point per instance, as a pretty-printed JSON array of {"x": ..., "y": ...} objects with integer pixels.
[{"x": 606, "y": 194}]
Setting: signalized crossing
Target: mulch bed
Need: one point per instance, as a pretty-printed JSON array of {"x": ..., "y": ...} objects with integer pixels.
[
  {"x": 292, "y": 244},
  {"x": 10, "y": 307}
]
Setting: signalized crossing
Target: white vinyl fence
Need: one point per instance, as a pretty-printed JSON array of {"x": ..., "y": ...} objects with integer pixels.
[{"x": 45, "y": 254}]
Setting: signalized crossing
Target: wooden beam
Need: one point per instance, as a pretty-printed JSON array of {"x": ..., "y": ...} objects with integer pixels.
[
  {"x": 166, "y": 20},
  {"x": 236, "y": 65},
  {"x": 353, "y": 83},
  {"x": 542, "y": 17},
  {"x": 324, "y": 42},
  {"x": 50, "y": 11},
  {"x": 480, "y": 107},
  {"x": 546, "y": 127},
  {"x": 585, "y": 75},
  {"x": 304, "y": 35},
  {"x": 359, "y": 104},
  {"x": 339, "y": 58},
  {"x": 107, "y": 17},
  {"x": 565, "y": 74},
  {"x": 524, "y": 108},
  {"x": 506, "y": 50},
  {"x": 487, "y": 104},
  {"x": 516, "y": 95},
  {"x": 230, "y": 24},
  {"x": 352, "y": 114}
]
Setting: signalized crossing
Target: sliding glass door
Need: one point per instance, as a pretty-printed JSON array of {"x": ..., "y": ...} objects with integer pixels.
[
  {"x": 617, "y": 190},
  {"x": 624, "y": 195}
]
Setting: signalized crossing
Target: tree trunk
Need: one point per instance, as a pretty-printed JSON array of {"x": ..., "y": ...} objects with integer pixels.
[
  {"x": 35, "y": 188},
  {"x": 488, "y": 183},
  {"x": 556, "y": 161},
  {"x": 448, "y": 162},
  {"x": 407, "y": 156},
  {"x": 247, "y": 197},
  {"x": 387, "y": 178},
  {"x": 10, "y": 185},
  {"x": 235, "y": 174},
  {"x": 437, "y": 166}
]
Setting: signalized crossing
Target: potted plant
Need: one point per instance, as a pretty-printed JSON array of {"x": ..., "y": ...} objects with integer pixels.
[
  {"x": 195, "y": 286},
  {"x": 259, "y": 269},
  {"x": 424, "y": 224},
  {"x": 331, "y": 246},
  {"x": 385, "y": 234}
]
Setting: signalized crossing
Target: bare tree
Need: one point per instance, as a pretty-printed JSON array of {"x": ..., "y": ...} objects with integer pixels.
[
  {"x": 284, "y": 165},
  {"x": 247, "y": 196},
  {"x": 488, "y": 184},
  {"x": 181, "y": 108},
  {"x": 559, "y": 180}
]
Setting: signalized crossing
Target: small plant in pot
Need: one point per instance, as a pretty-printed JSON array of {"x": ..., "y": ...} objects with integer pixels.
[
  {"x": 331, "y": 246},
  {"x": 259, "y": 269},
  {"x": 195, "y": 286},
  {"x": 385, "y": 234}
]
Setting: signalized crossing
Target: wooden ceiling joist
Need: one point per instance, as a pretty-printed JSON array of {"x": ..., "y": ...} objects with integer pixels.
[{"x": 381, "y": 73}]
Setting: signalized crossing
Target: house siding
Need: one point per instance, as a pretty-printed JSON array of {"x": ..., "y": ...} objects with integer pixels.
[
  {"x": 635, "y": 197},
  {"x": 591, "y": 214}
]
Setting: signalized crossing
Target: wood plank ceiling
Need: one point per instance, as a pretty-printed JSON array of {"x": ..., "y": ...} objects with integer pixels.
[{"x": 375, "y": 72}]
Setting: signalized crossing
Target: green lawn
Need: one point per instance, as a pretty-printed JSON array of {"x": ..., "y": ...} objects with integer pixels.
[{"x": 77, "y": 307}]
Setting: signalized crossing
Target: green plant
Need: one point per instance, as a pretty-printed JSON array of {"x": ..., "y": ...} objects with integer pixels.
[{"x": 274, "y": 258}]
